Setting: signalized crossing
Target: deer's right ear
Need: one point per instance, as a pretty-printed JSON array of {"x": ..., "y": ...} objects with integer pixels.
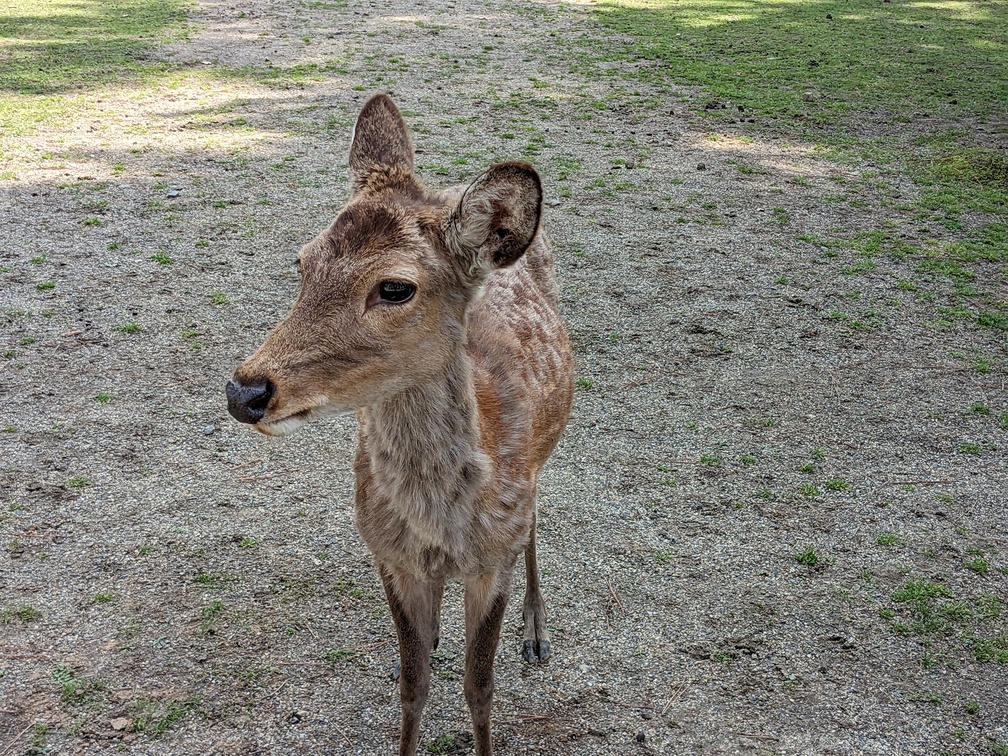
[
  {"x": 380, "y": 141},
  {"x": 498, "y": 216}
]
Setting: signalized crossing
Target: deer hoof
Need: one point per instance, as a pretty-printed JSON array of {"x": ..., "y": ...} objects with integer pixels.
[{"x": 536, "y": 652}]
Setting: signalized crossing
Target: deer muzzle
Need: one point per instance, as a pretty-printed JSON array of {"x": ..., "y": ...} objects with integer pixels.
[{"x": 247, "y": 402}]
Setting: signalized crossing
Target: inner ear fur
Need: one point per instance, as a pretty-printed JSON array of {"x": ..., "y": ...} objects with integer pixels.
[
  {"x": 380, "y": 141},
  {"x": 498, "y": 215}
]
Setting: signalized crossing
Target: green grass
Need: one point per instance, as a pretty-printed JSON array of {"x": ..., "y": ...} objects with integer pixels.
[
  {"x": 24, "y": 614},
  {"x": 809, "y": 557},
  {"x": 337, "y": 655},
  {"x": 443, "y": 744},
  {"x": 155, "y": 717},
  {"x": 826, "y": 70},
  {"x": 52, "y": 51},
  {"x": 74, "y": 689},
  {"x": 861, "y": 57},
  {"x": 210, "y": 614}
]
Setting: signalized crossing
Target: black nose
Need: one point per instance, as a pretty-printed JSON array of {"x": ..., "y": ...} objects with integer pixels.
[{"x": 247, "y": 401}]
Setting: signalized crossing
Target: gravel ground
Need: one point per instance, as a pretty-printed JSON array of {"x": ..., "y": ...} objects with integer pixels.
[{"x": 750, "y": 391}]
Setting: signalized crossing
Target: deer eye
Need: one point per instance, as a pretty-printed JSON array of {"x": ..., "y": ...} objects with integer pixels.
[{"x": 395, "y": 292}]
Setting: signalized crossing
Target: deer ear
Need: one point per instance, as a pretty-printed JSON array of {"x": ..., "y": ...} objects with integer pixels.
[
  {"x": 380, "y": 140},
  {"x": 498, "y": 215}
]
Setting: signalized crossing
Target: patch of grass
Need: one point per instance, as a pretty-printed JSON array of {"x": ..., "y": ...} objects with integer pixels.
[
  {"x": 968, "y": 447},
  {"x": 934, "y": 699},
  {"x": 24, "y": 614},
  {"x": 823, "y": 71},
  {"x": 978, "y": 565},
  {"x": 809, "y": 490},
  {"x": 209, "y": 615},
  {"x": 156, "y": 717},
  {"x": 51, "y": 50},
  {"x": 219, "y": 298},
  {"x": 129, "y": 327},
  {"x": 162, "y": 258},
  {"x": 585, "y": 383},
  {"x": 993, "y": 319},
  {"x": 103, "y": 597},
  {"x": 809, "y": 557},
  {"x": 78, "y": 482},
  {"x": 74, "y": 689},
  {"x": 103, "y": 398},
  {"x": 443, "y": 744},
  {"x": 991, "y": 650},
  {"x": 337, "y": 655},
  {"x": 46, "y": 286},
  {"x": 837, "y": 484},
  {"x": 886, "y": 539},
  {"x": 711, "y": 460},
  {"x": 747, "y": 460}
]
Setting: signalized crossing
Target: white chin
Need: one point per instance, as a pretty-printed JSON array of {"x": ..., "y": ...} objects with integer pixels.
[{"x": 282, "y": 427}]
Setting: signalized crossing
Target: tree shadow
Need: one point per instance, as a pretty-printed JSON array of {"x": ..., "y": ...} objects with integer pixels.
[
  {"x": 820, "y": 60},
  {"x": 84, "y": 43}
]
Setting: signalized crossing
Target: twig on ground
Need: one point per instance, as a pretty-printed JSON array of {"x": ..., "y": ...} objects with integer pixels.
[
  {"x": 345, "y": 737},
  {"x": 916, "y": 483},
  {"x": 615, "y": 597},
  {"x": 267, "y": 476},
  {"x": 674, "y": 697},
  {"x": 66, "y": 334},
  {"x": 15, "y": 740},
  {"x": 754, "y": 735},
  {"x": 243, "y": 465}
]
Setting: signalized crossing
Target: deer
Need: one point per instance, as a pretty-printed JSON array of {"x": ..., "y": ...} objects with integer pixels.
[{"x": 433, "y": 315}]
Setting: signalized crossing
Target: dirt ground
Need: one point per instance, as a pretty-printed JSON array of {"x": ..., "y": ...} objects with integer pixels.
[{"x": 776, "y": 523}]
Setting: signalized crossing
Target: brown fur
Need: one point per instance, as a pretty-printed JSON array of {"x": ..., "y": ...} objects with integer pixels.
[{"x": 461, "y": 393}]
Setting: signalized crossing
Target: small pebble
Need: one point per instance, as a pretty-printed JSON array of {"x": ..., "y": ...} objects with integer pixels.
[
  {"x": 208, "y": 430},
  {"x": 172, "y": 193},
  {"x": 641, "y": 736},
  {"x": 701, "y": 166}
]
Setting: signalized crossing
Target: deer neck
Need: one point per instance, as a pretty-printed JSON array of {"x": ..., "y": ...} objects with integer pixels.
[{"x": 425, "y": 454}]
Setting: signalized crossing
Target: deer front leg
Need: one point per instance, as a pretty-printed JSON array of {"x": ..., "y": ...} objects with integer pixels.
[
  {"x": 411, "y": 603},
  {"x": 536, "y": 644},
  {"x": 486, "y": 597}
]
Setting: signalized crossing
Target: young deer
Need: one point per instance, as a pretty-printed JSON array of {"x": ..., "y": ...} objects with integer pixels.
[{"x": 433, "y": 315}]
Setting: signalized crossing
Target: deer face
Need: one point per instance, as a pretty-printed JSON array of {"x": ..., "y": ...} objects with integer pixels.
[
  {"x": 384, "y": 289},
  {"x": 372, "y": 318}
]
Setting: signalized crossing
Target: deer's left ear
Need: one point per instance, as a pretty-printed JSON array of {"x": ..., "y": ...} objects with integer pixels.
[
  {"x": 498, "y": 215},
  {"x": 380, "y": 140}
]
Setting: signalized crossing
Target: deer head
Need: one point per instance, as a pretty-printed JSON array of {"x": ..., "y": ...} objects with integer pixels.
[{"x": 384, "y": 289}]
